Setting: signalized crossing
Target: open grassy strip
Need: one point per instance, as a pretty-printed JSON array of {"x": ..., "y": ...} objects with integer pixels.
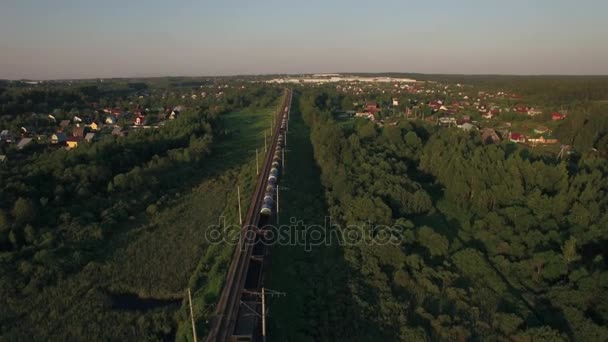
[{"x": 313, "y": 280}]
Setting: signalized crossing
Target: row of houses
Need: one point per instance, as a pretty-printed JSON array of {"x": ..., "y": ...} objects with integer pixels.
[
  {"x": 538, "y": 140},
  {"x": 72, "y": 132},
  {"x": 66, "y": 135},
  {"x": 491, "y": 135}
]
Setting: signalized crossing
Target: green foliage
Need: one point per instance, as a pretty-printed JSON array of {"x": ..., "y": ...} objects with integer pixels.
[
  {"x": 24, "y": 211},
  {"x": 436, "y": 244}
]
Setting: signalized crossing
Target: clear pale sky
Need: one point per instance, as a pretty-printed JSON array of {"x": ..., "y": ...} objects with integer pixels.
[{"x": 46, "y": 39}]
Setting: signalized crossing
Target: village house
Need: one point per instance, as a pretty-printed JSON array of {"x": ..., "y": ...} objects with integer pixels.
[
  {"x": 435, "y": 104},
  {"x": 556, "y": 116},
  {"x": 490, "y": 114},
  {"x": 139, "y": 120},
  {"x": 6, "y": 136},
  {"x": 58, "y": 138},
  {"x": 89, "y": 137},
  {"x": 489, "y": 136},
  {"x": 543, "y": 139},
  {"x": 72, "y": 142},
  {"x": 110, "y": 120},
  {"x": 118, "y": 131},
  {"x": 78, "y": 132},
  {"x": 447, "y": 121},
  {"x": 23, "y": 143},
  {"x": 534, "y": 112},
  {"x": 517, "y": 137},
  {"x": 467, "y": 127},
  {"x": 365, "y": 115},
  {"x": 175, "y": 113},
  {"x": 371, "y": 107},
  {"x": 94, "y": 126}
]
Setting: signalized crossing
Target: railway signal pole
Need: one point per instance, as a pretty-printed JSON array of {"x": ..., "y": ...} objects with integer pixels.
[
  {"x": 263, "y": 316},
  {"x": 277, "y": 204},
  {"x": 192, "y": 316},
  {"x": 238, "y": 193}
]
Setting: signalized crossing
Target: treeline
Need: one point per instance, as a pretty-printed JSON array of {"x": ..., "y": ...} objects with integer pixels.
[{"x": 495, "y": 243}]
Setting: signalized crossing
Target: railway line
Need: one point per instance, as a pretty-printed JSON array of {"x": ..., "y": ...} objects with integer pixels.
[{"x": 238, "y": 310}]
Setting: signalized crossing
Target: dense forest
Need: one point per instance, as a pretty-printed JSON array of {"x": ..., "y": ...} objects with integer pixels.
[{"x": 495, "y": 242}]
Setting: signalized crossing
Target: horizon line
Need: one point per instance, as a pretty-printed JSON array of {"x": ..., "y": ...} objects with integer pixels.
[{"x": 296, "y": 74}]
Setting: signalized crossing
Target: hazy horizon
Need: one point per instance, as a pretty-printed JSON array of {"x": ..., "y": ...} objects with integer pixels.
[
  {"x": 68, "y": 39},
  {"x": 400, "y": 73}
]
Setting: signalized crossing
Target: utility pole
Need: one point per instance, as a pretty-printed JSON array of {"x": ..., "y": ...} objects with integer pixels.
[
  {"x": 265, "y": 147},
  {"x": 238, "y": 192},
  {"x": 192, "y": 316},
  {"x": 257, "y": 163},
  {"x": 263, "y": 316},
  {"x": 265, "y": 292}
]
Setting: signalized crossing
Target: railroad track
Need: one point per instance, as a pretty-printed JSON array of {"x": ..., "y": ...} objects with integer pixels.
[{"x": 227, "y": 310}]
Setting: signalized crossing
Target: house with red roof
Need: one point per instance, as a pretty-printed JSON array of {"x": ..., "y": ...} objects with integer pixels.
[
  {"x": 371, "y": 107},
  {"x": 556, "y": 116},
  {"x": 140, "y": 120},
  {"x": 517, "y": 137}
]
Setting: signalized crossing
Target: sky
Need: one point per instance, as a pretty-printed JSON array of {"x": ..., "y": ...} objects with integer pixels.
[{"x": 59, "y": 39}]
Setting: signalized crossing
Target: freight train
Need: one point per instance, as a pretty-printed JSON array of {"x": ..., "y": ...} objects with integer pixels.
[{"x": 273, "y": 177}]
